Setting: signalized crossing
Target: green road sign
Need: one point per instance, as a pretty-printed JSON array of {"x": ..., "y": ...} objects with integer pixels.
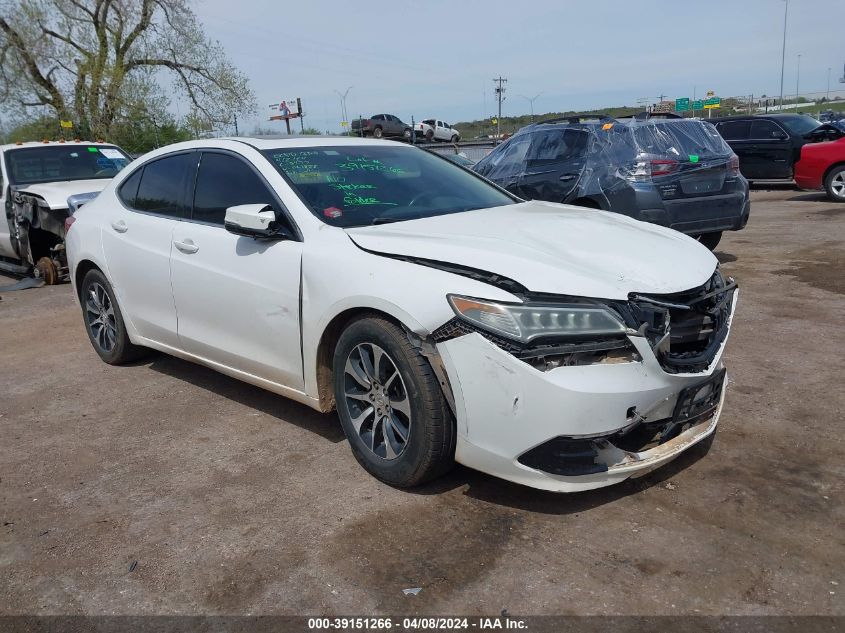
[
  {"x": 698, "y": 105},
  {"x": 712, "y": 102},
  {"x": 682, "y": 104}
]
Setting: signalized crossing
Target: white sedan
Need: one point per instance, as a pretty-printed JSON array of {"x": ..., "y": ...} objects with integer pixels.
[{"x": 555, "y": 346}]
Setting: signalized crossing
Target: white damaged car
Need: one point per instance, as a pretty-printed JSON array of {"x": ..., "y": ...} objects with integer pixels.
[
  {"x": 36, "y": 180},
  {"x": 555, "y": 346}
]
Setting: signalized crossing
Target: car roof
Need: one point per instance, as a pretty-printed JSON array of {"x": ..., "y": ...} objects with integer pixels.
[
  {"x": 773, "y": 115},
  {"x": 25, "y": 144}
]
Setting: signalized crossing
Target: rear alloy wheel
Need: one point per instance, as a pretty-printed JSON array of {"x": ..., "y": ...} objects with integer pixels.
[
  {"x": 377, "y": 132},
  {"x": 390, "y": 405},
  {"x": 104, "y": 321},
  {"x": 710, "y": 240},
  {"x": 834, "y": 184},
  {"x": 407, "y": 134},
  {"x": 429, "y": 136}
]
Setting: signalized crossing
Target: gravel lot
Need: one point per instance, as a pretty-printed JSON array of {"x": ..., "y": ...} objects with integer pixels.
[{"x": 163, "y": 487}]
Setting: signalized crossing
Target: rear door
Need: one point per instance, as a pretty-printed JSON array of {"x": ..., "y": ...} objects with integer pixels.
[
  {"x": 554, "y": 164},
  {"x": 137, "y": 242},
  {"x": 771, "y": 150},
  {"x": 736, "y": 133},
  {"x": 237, "y": 297}
]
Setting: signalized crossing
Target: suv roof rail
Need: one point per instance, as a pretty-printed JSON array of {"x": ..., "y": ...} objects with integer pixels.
[
  {"x": 642, "y": 116},
  {"x": 578, "y": 117}
]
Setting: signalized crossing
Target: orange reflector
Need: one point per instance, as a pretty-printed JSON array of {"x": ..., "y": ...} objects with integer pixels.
[{"x": 607, "y": 126}]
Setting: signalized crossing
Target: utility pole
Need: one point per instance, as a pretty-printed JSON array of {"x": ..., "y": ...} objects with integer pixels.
[
  {"x": 500, "y": 96},
  {"x": 236, "y": 123},
  {"x": 797, "y": 81},
  {"x": 783, "y": 51},
  {"x": 827, "y": 98}
]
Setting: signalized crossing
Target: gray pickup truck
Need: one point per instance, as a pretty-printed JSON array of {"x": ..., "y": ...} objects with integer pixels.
[{"x": 381, "y": 125}]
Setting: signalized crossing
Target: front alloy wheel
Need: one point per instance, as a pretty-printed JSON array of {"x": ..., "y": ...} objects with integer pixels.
[
  {"x": 390, "y": 404},
  {"x": 377, "y": 400}
]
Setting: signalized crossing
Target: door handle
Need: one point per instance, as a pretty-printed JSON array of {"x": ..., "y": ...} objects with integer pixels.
[
  {"x": 120, "y": 226},
  {"x": 568, "y": 176},
  {"x": 187, "y": 246}
]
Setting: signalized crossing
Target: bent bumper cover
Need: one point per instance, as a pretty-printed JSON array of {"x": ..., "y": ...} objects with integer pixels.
[{"x": 505, "y": 408}]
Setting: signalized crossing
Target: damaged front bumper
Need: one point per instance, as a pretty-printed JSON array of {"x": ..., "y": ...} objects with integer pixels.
[{"x": 575, "y": 427}]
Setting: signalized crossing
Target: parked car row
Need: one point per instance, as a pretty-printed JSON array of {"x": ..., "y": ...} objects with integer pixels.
[
  {"x": 391, "y": 126},
  {"x": 769, "y": 145}
]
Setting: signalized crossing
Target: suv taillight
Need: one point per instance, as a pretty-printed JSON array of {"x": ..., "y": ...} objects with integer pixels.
[
  {"x": 644, "y": 169},
  {"x": 733, "y": 165}
]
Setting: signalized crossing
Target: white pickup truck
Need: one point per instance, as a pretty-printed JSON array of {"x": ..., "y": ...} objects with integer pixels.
[
  {"x": 36, "y": 180},
  {"x": 431, "y": 130}
]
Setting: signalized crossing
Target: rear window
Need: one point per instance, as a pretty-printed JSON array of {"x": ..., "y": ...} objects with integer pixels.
[
  {"x": 679, "y": 138},
  {"x": 800, "y": 124}
]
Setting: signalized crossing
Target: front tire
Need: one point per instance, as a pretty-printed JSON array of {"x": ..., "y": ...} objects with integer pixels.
[
  {"x": 834, "y": 184},
  {"x": 454, "y": 139},
  {"x": 377, "y": 133},
  {"x": 104, "y": 321},
  {"x": 390, "y": 405},
  {"x": 710, "y": 240}
]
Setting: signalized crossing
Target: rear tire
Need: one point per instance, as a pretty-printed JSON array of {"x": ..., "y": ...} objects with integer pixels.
[
  {"x": 834, "y": 184},
  {"x": 104, "y": 321},
  {"x": 377, "y": 132},
  {"x": 390, "y": 405},
  {"x": 407, "y": 134},
  {"x": 429, "y": 136},
  {"x": 710, "y": 240}
]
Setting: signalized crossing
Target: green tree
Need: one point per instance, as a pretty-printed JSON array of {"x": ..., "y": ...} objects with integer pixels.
[{"x": 100, "y": 63}]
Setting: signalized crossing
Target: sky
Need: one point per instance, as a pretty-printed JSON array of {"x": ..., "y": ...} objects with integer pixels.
[{"x": 438, "y": 58}]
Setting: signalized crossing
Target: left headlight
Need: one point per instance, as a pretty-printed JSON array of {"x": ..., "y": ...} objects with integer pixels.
[{"x": 526, "y": 322}]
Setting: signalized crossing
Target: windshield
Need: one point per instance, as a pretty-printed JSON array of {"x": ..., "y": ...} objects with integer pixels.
[
  {"x": 360, "y": 185},
  {"x": 32, "y": 165},
  {"x": 801, "y": 124}
]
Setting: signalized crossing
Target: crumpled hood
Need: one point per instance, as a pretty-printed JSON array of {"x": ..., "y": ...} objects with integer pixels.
[
  {"x": 55, "y": 194},
  {"x": 552, "y": 248}
]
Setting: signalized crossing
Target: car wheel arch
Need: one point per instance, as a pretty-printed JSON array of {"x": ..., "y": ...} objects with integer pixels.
[
  {"x": 329, "y": 337},
  {"x": 831, "y": 169},
  {"x": 83, "y": 268}
]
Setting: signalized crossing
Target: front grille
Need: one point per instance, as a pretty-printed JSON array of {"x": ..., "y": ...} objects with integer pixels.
[{"x": 687, "y": 328}]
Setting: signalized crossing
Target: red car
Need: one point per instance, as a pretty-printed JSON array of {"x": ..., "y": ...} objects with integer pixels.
[{"x": 822, "y": 166}]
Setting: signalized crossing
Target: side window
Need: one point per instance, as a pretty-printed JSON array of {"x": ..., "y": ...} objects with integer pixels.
[
  {"x": 556, "y": 145},
  {"x": 733, "y": 130},
  {"x": 763, "y": 129},
  {"x": 378, "y": 117},
  {"x": 225, "y": 181},
  {"x": 129, "y": 189},
  {"x": 163, "y": 186},
  {"x": 507, "y": 160}
]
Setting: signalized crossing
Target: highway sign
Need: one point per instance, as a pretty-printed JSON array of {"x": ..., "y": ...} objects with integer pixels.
[{"x": 682, "y": 104}]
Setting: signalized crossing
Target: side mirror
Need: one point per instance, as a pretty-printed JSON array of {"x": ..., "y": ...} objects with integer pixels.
[{"x": 254, "y": 220}]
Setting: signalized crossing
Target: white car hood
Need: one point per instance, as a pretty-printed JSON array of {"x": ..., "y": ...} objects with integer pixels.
[
  {"x": 55, "y": 194},
  {"x": 552, "y": 248}
]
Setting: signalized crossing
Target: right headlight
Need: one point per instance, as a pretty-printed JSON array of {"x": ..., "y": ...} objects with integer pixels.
[{"x": 526, "y": 322}]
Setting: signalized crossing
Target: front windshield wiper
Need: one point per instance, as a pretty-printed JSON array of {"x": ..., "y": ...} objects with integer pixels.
[{"x": 387, "y": 220}]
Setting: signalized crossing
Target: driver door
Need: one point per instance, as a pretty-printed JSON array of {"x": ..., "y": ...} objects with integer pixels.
[{"x": 237, "y": 298}]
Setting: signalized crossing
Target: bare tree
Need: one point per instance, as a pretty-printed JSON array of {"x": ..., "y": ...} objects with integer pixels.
[{"x": 99, "y": 62}]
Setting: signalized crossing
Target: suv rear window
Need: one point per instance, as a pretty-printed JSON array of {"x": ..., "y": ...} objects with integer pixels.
[
  {"x": 31, "y": 165},
  {"x": 679, "y": 138},
  {"x": 556, "y": 145}
]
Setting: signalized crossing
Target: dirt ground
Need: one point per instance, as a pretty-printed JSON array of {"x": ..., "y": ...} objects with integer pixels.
[{"x": 163, "y": 487}]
